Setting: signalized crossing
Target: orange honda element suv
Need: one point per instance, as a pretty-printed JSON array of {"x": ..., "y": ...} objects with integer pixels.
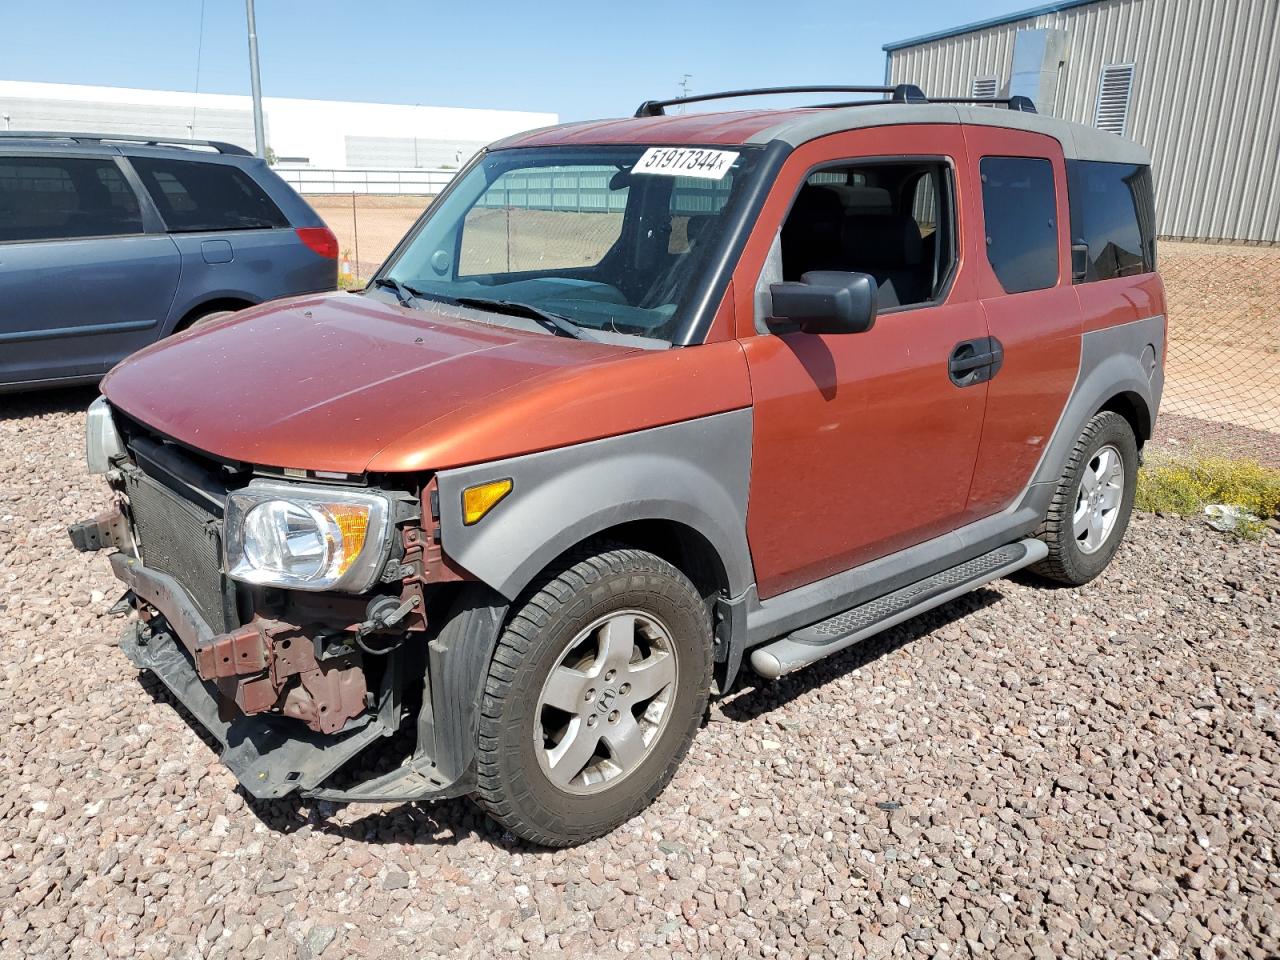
[{"x": 636, "y": 405}]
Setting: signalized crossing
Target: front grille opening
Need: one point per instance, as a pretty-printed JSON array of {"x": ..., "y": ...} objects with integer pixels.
[{"x": 179, "y": 538}]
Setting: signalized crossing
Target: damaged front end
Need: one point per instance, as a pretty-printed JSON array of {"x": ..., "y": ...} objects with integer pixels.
[{"x": 293, "y": 680}]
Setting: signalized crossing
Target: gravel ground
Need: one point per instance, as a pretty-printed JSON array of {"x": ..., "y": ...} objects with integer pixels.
[{"x": 1024, "y": 772}]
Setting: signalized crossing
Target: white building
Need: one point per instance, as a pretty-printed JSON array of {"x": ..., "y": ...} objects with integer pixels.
[{"x": 326, "y": 134}]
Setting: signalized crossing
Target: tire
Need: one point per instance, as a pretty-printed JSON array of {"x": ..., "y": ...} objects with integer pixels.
[
  {"x": 1082, "y": 533},
  {"x": 600, "y": 617}
]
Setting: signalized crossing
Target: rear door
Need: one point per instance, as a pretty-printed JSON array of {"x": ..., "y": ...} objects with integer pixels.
[
  {"x": 85, "y": 278},
  {"x": 1024, "y": 286},
  {"x": 235, "y": 241}
]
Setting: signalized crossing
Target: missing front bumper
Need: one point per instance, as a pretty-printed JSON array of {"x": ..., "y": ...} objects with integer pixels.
[{"x": 271, "y": 755}]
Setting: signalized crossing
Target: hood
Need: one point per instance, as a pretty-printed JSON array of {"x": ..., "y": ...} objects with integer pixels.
[{"x": 326, "y": 382}]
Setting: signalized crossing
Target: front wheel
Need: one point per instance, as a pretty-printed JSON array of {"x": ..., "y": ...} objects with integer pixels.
[
  {"x": 1091, "y": 506},
  {"x": 594, "y": 693}
]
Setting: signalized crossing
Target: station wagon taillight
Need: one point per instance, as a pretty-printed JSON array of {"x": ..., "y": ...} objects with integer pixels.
[{"x": 321, "y": 240}]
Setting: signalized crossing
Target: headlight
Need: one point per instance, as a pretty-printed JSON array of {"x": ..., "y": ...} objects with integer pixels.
[
  {"x": 102, "y": 441},
  {"x": 306, "y": 538}
]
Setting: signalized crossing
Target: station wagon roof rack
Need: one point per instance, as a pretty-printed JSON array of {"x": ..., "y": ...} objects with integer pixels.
[
  {"x": 230, "y": 149},
  {"x": 902, "y": 93}
]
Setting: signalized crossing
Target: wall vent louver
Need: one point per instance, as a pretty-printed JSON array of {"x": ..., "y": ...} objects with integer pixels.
[
  {"x": 1115, "y": 86},
  {"x": 984, "y": 88}
]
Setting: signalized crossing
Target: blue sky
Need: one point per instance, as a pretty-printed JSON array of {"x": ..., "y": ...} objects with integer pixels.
[{"x": 577, "y": 59}]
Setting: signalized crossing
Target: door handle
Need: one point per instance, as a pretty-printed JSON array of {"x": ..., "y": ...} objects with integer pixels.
[
  {"x": 963, "y": 364},
  {"x": 975, "y": 361}
]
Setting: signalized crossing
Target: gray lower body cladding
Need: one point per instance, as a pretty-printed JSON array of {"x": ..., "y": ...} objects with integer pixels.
[
  {"x": 695, "y": 473},
  {"x": 698, "y": 473},
  {"x": 1125, "y": 359}
]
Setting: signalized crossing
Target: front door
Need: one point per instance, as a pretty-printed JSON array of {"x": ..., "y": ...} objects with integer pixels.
[{"x": 864, "y": 444}]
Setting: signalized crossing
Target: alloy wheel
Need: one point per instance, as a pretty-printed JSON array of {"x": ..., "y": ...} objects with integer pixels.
[
  {"x": 605, "y": 702},
  {"x": 1098, "y": 499}
]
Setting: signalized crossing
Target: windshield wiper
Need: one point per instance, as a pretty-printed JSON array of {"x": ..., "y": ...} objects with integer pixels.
[
  {"x": 551, "y": 321},
  {"x": 404, "y": 293}
]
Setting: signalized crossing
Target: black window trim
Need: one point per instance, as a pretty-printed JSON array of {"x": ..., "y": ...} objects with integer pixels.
[
  {"x": 949, "y": 183},
  {"x": 151, "y": 222}
]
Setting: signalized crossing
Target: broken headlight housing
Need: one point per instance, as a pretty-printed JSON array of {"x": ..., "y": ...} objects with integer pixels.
[
  {"x": 102, "y": 441},
  {"x": 306, "y": 537}
]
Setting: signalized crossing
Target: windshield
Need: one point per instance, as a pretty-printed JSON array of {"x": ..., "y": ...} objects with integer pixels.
[{"x": 613, "y": 239}]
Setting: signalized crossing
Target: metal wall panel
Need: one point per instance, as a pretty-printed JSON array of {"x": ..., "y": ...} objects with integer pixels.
[
  {"x": 408, "y": 153},
  {"x": 133, "y": 119},
  {"x": 1206, "y": 89}
]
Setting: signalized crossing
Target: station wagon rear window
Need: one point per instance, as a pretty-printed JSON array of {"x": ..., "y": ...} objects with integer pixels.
[{"x": 195, "y": 196}]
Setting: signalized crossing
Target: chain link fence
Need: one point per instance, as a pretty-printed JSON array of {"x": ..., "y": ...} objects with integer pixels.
[{"x": 1222, "y": 390}]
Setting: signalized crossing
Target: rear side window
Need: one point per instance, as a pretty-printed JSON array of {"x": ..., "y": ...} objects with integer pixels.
[
  {"x": 65, "y": 198},
  {"x": 1019, "y": 208},
  {"x": 1112, "y": 220},
  {"x": 192, "y": 195}
]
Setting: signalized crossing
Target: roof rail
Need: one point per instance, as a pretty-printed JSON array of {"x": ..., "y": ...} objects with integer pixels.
[
  {"x": 902, "y": 93},
  {"x": 227, "y": 148},
  {"x": 1020, "y": 104}
]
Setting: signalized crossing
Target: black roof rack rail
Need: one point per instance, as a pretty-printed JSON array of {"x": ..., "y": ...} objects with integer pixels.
[
  {"x": 1020, "y": 104},
  {"x": 228, "y": 148},
  {"x": 902, "y": 93}
]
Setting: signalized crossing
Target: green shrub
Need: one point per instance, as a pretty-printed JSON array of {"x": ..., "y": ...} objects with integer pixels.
[{"x": 1186, "y": 486}]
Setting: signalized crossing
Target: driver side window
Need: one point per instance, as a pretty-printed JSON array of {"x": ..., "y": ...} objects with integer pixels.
[{"x": 894, "y": 221}]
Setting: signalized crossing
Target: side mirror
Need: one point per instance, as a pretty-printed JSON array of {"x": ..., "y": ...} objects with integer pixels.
[{"x": 827, "y": 301}]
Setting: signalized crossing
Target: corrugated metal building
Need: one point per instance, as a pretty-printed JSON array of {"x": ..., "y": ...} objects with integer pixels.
[{"x": 1195, "y": 81}]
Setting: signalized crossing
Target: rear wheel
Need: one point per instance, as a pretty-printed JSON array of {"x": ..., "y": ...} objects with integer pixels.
[
  {"x": 1091, "y": 506},
  {"x": 595, "y": 691}
]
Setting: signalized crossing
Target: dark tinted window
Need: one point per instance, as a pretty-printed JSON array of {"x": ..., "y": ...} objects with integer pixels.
[
  {"x": 53, "y": 198},
  {"x": 193, "y": 195},
  {"x": 1019, "y": 209},
  {"x": 1113, "y": 213}
]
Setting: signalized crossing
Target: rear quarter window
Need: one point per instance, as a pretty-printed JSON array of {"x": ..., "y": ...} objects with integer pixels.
[
  {"x": 194, "y": 196},
  {"x": 1112, "y": 219},
  {"x": 1020, "y": 213}
]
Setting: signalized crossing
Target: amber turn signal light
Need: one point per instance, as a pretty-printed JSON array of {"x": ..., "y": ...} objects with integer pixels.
[{"x": 479, "y": 500}]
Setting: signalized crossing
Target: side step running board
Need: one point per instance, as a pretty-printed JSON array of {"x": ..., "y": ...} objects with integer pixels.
[{"x": 810, "y": 644}]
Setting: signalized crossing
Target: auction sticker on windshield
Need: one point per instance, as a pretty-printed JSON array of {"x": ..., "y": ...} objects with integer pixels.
[{"x": 686, "y": 162}]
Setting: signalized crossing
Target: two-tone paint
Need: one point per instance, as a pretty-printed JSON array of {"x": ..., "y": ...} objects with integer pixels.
[{"x": 799, "y": 474}]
